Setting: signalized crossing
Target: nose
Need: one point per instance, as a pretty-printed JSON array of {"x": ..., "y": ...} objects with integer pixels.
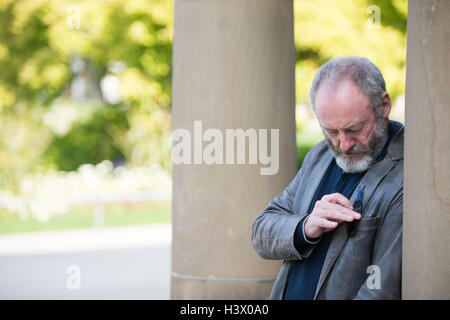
[{"x": 346, "y": 142}]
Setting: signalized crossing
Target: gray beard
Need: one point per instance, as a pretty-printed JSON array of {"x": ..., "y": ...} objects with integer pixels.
[{"x": 375, "y": 146}]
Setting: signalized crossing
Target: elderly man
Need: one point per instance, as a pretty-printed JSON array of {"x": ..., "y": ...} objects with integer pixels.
[{"x": 338, "y": 225}]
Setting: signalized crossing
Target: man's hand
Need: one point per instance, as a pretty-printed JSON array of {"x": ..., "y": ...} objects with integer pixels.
[{"x": 328, "y": 213}]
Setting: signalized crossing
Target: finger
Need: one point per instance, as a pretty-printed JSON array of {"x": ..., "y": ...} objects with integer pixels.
[
  {"x": 343, "y": 210},
  {"x": 337, "y": 216},
  {"x": 333, "y": 207},
  {"x": 338, "y": 198},
  {"x": 326, "y": 224}
]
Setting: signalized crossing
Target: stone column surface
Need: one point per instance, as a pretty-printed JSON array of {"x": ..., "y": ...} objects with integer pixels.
[
  {"x": 426, "y": 216},
  {"x": 233, "y": 67}
]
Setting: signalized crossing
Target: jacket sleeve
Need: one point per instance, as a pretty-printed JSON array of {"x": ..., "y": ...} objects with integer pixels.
[
  {"x": 273, "y": 231},
  {"x": 384, "y": 275}
]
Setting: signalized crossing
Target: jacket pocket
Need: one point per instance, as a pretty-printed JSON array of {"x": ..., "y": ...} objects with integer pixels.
[
  {"x": 351, "y": 266},
  {"x": 367, "y": 224}
]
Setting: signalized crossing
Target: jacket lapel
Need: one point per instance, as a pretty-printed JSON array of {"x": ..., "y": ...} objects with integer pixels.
[
  {"x": 369, "y": 182},
  {"x": 314, "y": 176}
]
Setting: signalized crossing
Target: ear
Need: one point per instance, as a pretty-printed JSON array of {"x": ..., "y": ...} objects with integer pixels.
[{"x": 386, "y": 104}]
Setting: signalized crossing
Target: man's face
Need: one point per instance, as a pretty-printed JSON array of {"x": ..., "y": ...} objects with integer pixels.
[{"x": 352, "y": 131}]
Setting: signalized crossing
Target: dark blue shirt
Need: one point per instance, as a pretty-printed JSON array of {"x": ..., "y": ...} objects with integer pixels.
[{"x": 304, "y": 275}]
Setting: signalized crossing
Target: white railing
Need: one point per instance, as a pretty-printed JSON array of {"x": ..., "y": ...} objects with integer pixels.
[{"x": 97, "y": 200}]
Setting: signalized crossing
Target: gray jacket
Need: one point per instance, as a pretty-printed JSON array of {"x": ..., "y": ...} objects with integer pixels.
[{"x": 378, "y": 241}]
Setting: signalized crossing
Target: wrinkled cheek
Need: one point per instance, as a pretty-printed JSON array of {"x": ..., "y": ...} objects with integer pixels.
[
  {"x": 367, "y": 138},
  {"x": 335, "y": 143}
]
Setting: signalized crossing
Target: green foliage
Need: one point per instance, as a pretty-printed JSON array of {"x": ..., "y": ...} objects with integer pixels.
[
  {"x": 90, "y": 140},
  {"x": 39, "y": 39},
  {"x": 328, "y": 28},
  {"x": 23, "y": 138}
]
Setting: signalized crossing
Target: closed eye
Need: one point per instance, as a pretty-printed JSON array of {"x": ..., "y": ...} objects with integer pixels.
[
  {"x": 354, "y": 130},
  {"x": 332, "y": 132}
]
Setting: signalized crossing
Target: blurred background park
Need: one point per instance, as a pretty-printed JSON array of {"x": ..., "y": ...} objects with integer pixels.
[{"x": 85, "y": 101}]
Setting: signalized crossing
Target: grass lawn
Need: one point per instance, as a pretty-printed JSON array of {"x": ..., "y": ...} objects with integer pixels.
[{"x": 82, "y": 216}]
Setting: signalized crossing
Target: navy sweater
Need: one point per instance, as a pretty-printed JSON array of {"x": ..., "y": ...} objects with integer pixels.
[{"x": 304, "y": 275}]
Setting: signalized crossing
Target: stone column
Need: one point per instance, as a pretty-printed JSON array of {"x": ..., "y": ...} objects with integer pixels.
[
  {"x": 426, "y": 217},
  {"x": 233, "y": 67}
]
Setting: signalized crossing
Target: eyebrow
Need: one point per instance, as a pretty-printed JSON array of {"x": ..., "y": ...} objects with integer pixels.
[{"x": 357, "y": 123}]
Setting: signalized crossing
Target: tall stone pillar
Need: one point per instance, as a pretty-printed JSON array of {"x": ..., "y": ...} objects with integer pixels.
[
  {"x": 426, "y": 217},
  {"x": 233, "y": 67}
]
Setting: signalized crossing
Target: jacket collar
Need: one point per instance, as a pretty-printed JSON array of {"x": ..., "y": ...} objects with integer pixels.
[{"x": 395, "y": 149}]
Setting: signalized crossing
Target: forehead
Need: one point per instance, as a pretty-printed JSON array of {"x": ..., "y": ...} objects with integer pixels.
[{"x": 342, "y": 105}]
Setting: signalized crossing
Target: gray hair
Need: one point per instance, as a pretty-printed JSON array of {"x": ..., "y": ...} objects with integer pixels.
[{"x": 361, "y": 71}]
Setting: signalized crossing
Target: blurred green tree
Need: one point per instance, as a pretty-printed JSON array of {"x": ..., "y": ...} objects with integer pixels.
[
  {"x": 375, "y": 29},
  {"x": 98, "y": 132},
  {"x": 55, "y": 49}
]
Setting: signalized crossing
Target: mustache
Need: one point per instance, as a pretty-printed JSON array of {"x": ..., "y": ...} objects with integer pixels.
[{"x": 357, "y": 148}]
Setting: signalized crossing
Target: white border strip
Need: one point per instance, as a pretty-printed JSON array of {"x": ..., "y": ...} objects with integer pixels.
[{"x": 212, "y": 278}]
